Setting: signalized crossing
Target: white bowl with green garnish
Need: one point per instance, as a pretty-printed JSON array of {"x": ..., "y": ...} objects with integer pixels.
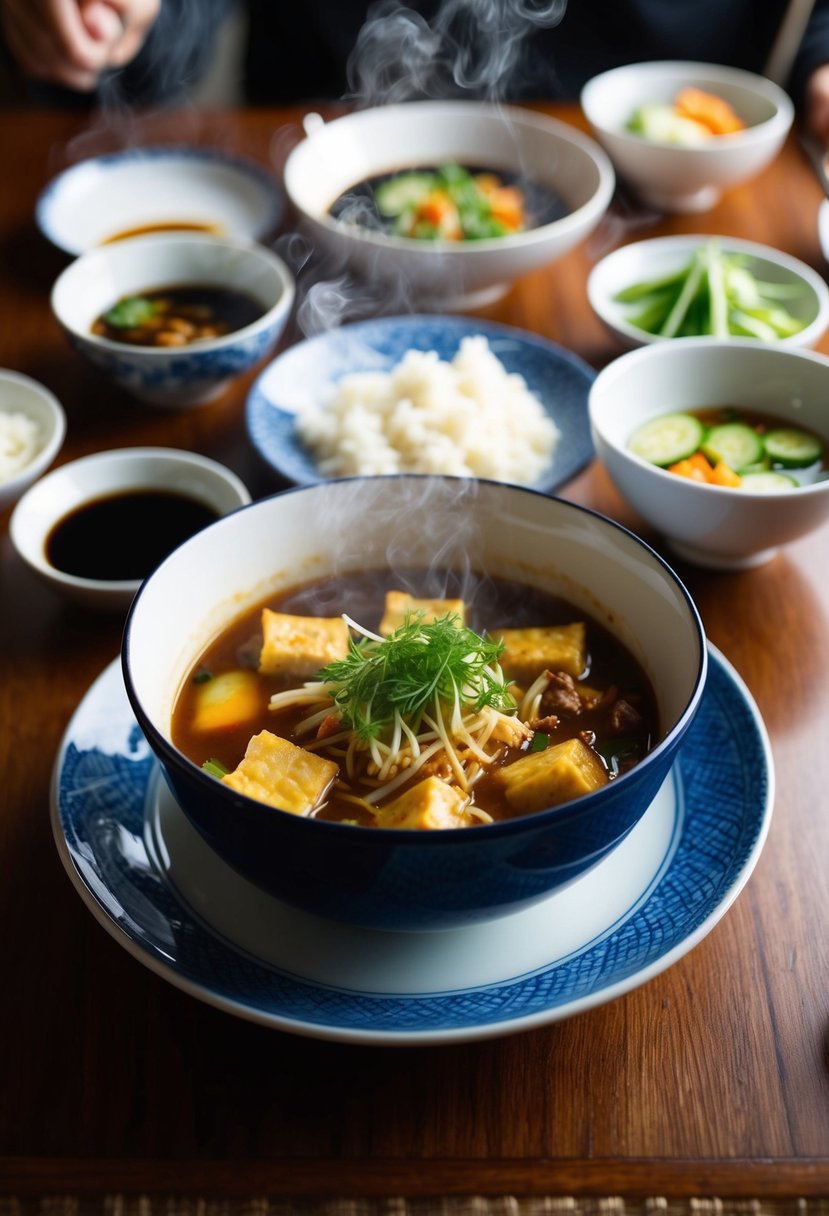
[
  {"x": 668, "y": 171},
  {"x": 115, "y": 306},
  {"x": 719, "y": 446},
  {"x": 224, "y": 640},
  {"x": 701, "y": 285}
]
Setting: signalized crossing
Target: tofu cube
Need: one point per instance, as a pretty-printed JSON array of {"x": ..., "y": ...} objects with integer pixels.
[
  {"x": 431, "y": 803},
  {"x": 276, "y": 771},
  {"x": 298, "y": 646},
  {"x": 399, "y": 603},
  {"x": 559, "y": 774},
  {"x": 528, "y": 652}
]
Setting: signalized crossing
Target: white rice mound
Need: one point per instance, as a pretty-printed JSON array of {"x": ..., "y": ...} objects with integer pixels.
[
  {"x": 466, "y": 418},
  {"x": 20, "y": 442}
]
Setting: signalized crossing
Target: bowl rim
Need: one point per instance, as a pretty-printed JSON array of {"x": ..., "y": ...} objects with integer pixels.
[
  {"x": 381, "y": 837},
  {"x": 195, "y": 152},
  {"x": 603, "y": 307},
  {"x": 595, "y": 206},
  {"x": 34, "y": 555},
  {"x": 57, "y": 431},
  {"x": 100, "y": 253},
  {"x": 701, "y": 345},
  {"x": 776, "y": 124}
]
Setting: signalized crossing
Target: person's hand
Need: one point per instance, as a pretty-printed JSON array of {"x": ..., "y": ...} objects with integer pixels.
[
  {"x": 816, "y": 105},
  {"x": 70, "y": 42}
]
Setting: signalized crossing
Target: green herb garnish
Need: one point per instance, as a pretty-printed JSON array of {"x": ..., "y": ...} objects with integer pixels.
[
  {"x": 539, "y": 741},
  {"x": 215, "y": 768},
  {"x": 418, "y": 666},
  {"x": 131, "y": 312}
]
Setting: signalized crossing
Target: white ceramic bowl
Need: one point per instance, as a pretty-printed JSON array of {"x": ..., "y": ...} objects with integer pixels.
[
  {"x": 669, "y": 177},
  {"x": 386, "y": 878},
  {"x": 710, "y": 525},
  {"x": 447, "y": 275},
  {"x": 21, "y": 394},
  {"x": 185, "y": 376},
  {"x": 651, "y": 259},
  {"x": 101, "y": 475}
]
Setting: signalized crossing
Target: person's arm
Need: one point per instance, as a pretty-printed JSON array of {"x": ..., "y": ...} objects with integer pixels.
[{"x": 809, "y": 81}]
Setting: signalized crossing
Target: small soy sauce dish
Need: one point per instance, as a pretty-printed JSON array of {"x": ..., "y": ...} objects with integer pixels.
[{"x": 93, "y": 529}]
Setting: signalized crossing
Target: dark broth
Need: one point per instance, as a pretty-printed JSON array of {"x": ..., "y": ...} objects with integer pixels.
[
  {"x": 490, "y": 604},
  {"x": 163, "y": 226},
  {"x": 124, "y": 536},
  {"x": 177, "y": 315}
]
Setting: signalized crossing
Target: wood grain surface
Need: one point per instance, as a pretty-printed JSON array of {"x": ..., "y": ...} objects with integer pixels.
[{"x": 710, "y": 1080}]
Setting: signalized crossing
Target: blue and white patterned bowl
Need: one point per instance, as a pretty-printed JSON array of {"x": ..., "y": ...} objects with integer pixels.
[
  {"x": 382, "y": 878},
  {"x": 177, "y": 377}
]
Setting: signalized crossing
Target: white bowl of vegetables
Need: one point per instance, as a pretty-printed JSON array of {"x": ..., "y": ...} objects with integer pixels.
[
  {"x": 680, "y": 133},
  {"x": 700, "y": 285},
  {"x": 722, "y": 447}
]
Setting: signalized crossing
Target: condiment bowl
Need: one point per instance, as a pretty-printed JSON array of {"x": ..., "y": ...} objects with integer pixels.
[
  {"x": 108, "y": 476},
  {"x": 672, "y": 177},
  {"x": 182, "y": 376},
  {"x": 36, "y": 425},
  {"x": 797, "y": 288},
  {"x": 711, "y": 525},
  {"x": 397, "y": 879},
  {"x": 447, "y": 274}
]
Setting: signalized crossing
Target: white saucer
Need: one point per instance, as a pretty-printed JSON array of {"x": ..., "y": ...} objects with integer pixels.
[{"x": 159, "y": 889}]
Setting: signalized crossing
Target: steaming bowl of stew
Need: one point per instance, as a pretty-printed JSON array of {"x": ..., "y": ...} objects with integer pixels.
[
  {"x": 447, "y": 202},
  {"x": 174, "y": 318},
  {"x": 424, "y": 822},
  {"x": 720, "y": 445}
]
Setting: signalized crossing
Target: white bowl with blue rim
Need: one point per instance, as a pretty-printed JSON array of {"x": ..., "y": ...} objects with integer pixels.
[
  {"x": 306, "y": 374},
  {"x": 184, "y": 376},
  {"x": 105, "y": 197}
]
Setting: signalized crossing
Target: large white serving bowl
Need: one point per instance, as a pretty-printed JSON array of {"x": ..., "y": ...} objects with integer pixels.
[
  {"x": 380, "y": 877},
  {"x": 664, "y": 255},
  {"x": 101, "y": 475},
  {"x": 709, "y": 525},
  {"x": 184, "y": 376},
  {"x": 669, "y": 177},
  {"x": 447, "y": 275},
  {"x": 21, "y": 394}
]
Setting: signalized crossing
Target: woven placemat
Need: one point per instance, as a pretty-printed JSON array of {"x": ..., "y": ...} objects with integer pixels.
[{"x": 505, "y": 1205}]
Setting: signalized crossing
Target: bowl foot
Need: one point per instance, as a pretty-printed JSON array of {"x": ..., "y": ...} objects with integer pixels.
[
  {"x": 682, "y": 204},
  {"x": 720, "y": 561},
  {"x": 463, "y": 302}
]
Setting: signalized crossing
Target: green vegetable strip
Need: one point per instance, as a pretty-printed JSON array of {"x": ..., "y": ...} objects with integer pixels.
[
  {"x": 716, "y": 292},
  {"x": 689, "y": 290}
]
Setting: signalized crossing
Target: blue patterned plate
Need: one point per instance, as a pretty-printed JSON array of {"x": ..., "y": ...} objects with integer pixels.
[
  {"x": 308, "y": 371},
  {"x": 100, "y": 198},
  {"x": 161, "y": 892}
]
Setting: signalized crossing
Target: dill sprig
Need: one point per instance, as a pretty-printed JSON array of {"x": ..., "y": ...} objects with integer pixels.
[{"x": 401, "y": 676}]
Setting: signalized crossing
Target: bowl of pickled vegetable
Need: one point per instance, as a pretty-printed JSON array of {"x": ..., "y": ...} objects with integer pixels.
[
  {"x": 721, "y": 446},
  {"x": 681, "y": 133},
  {"x": 699, "y": 285},
  {"x": 446, "y": 203},
  {"x": 174, "y": 318}
]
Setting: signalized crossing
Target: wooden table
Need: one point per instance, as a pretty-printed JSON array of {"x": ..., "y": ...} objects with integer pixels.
[{"x": 712, "y": 1080}]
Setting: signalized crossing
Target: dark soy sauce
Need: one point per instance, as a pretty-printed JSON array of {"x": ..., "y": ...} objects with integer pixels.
[{"x": 124, "y": 535}]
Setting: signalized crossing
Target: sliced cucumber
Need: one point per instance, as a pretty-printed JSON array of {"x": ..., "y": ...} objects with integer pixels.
[
  {"x": 396, "y": 194},
  {"x": 792, "y": 448},
  {"x": 768, "y": 483},
  {"x": 736, "y": 444},
  {"x": 667, "y": 439}
]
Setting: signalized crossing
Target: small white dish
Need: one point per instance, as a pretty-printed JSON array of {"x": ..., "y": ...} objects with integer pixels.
[
  {"x": 178, "y": 377},
  {"x": 100, "y": 199},
  {"x": 447, "y": 275},
  {"x": 178, "y": 909},
  {"x": 645, "y": 260},
  {"x": 674, "y": 178},
  {"x": 708, "y": 525},
  {"x": 104, "y": 475},
  {"x": 21, "y": 394}
]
